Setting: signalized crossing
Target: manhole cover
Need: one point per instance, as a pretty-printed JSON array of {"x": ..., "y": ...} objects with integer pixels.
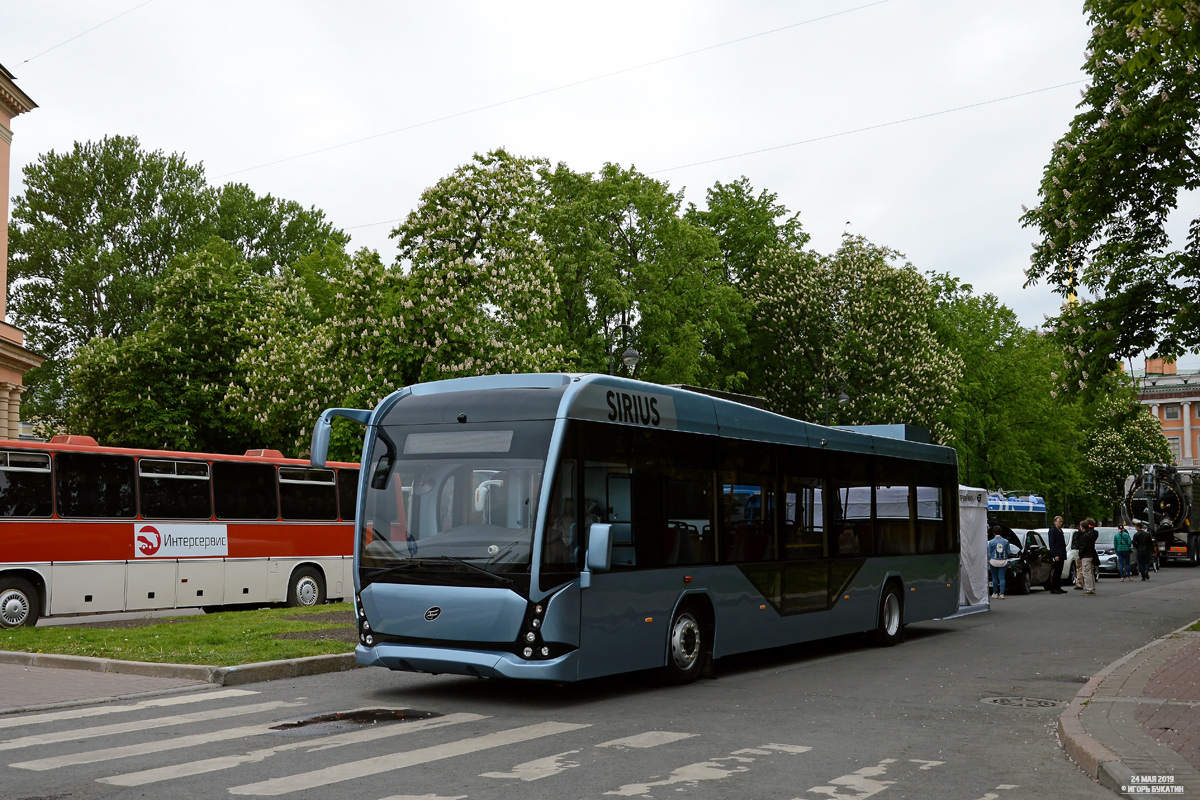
[
  {"x": 1023, "y": 702},
  {"x": 336, "y": 721}
]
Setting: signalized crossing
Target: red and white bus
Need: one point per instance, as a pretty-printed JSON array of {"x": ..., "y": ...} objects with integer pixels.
[{"x": 87, "y": 529}]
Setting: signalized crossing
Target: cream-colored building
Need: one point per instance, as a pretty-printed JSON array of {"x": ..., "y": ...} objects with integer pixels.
[{"x": 15, "y": 360}]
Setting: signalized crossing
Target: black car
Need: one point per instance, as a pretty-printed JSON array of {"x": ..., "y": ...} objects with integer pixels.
[{"x": 1033, "y": 564}]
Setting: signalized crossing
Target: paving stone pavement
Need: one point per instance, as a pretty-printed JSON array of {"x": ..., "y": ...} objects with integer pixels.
[
  {"x": 27, "y": 688},
  {"x": 1136, "y": 726}
]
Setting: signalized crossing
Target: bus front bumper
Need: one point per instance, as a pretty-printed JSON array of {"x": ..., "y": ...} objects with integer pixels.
[{"x": 478, "y": 663}]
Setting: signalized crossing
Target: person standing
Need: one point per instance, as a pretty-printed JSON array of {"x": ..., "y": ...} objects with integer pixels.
[
  {"x": 1058, "y": 551},
  {"x": 1123, "y": 546},
  {"x": 1143, "y": 545},
  {"x": 998, "y": 553},
  {"x": 1087, "y": 554}
]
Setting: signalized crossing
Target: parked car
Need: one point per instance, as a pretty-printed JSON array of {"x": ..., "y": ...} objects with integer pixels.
[
  {"x": 1031, "y": 566},
  {"x": 1068, "y": 566}
]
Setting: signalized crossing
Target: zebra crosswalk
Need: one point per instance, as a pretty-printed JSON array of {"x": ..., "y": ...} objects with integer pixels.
[{"x": 161, "y": 749}]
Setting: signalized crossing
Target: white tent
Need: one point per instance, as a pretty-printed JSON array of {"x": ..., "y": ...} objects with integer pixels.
[{"x": 972, "y": 557}]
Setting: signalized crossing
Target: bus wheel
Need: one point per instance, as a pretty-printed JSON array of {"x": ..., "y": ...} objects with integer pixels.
[
  {"x": 687, "y": 647},
  {"x": 18, "y": 603},
  {"x": 306, "y": 589},
  {"x": 891, "y": 614}
]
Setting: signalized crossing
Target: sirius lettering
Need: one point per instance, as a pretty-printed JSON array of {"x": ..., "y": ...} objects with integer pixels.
[{"x": 635, "y": 408}]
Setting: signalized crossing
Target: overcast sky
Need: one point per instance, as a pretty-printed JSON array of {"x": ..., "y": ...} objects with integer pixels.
[{"x": 357, "y": 107}]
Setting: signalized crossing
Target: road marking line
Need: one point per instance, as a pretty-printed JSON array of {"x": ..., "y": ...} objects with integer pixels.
[
  {"x": 141, "y": 725},
  {"x": 689, "y": 775},
  {"x": 537, "y": 769},
  {"x": 394, "y": 761},
  {"x": 145, "y": 748},
  {"x": 648, "y": 739},
  {"x": 336, "y": 740},
  {"x": 97, "y": 711}
]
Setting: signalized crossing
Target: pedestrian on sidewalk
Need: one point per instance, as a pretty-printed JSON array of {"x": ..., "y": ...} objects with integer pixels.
[
  {"x": 1087, "y": 554},
  {"x": 1123, "y": 546},
  {"x": 998, "y": 552},
  {"x": 1058, "y": 551},
  {"x": 1143, "y": 544}
]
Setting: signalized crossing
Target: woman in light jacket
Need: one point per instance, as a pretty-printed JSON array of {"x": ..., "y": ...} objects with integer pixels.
[{"x": 999, "y": 550}]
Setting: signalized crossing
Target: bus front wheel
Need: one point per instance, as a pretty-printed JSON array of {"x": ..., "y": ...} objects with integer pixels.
[
  {"x": 687, "y": 646},
  {"x": 306, "y": 589},
  {"x": 891, "y": 615},
  {"x": 18, "y": 603}
]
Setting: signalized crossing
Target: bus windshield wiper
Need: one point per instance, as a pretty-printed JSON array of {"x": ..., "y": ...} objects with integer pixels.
[{"x": 451, "y": 559}]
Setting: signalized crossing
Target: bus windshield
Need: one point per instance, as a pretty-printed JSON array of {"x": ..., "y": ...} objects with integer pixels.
[{"x": 462, "y": 498}]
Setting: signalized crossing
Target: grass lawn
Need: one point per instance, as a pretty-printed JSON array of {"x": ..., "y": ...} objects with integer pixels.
[{"x": 225, "y": 639}]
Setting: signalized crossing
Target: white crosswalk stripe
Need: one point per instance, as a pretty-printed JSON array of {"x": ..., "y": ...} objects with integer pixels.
[
  {"x": 100, "y": 711},
  {"x": 227, "y": 762},
  {"x": 141, "y": 725},
  {"x": 394, "y": 761}
]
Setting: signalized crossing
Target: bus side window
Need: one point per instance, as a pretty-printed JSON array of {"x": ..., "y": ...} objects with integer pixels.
[
  {"x": 306, "y": 493},
  {"x": 94, "y": 485},
  {"x": 347, "y": 489},
  {"x": 243, "y": 490},
  {"x": 25, "y": 484},
  {"x": 174, "y": 489}
]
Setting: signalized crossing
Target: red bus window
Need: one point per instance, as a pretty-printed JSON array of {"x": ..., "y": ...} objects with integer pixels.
[
  {"x": 94, "y": 485},
  {"x": 174, "y": 489},
  {"x": 24, "y": 484},
  {"x": 307, "y": 493},
  {"x": 244, "y": 491}
]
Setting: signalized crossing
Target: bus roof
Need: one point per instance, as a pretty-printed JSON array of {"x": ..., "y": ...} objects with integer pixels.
[
  {"x": 67, "y": 447},
  {"x": 606, "y": 398}
]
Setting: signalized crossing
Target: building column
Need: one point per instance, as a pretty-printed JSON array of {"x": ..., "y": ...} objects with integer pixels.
[
  {"x": 1185, "y": 411},
  {"x": 1154, "y": 411},
  {"x": 5, "y": 408}
]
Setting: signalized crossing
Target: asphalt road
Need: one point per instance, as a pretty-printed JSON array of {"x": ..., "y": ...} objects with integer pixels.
[{"x": 836, "y": 720}]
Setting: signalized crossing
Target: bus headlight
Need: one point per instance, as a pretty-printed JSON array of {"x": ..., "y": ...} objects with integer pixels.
[
  {"x": 531, "y": 637},
  {"x": 527, "y": 652}
]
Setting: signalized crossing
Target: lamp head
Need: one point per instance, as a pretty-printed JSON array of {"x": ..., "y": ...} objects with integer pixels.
[{"x": 631, "y": 358}]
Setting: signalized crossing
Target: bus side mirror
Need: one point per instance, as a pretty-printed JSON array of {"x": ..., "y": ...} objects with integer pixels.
[
  {"x": 599, "y": 552},
  {"x": 319, "y": 449}
]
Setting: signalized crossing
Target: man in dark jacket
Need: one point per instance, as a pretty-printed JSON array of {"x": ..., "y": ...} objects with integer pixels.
[
  {"x": 1143, "y": 547},
  {"x": 1087, "y": 554},
  {"x": 1058, "y": 551}
]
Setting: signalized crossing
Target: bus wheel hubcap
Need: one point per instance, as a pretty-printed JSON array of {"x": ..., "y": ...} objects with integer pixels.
[
  {"x": 306, "y": 592},
  {"x": 14, "y": 608},
  {"x": 891, "y": 615},
  {"x": 685, "y": 641}
]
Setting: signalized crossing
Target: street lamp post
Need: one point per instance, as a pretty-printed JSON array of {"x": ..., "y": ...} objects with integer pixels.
[
  {"x": 843, "y": 399},
  {"x": 630, "y": 357}
]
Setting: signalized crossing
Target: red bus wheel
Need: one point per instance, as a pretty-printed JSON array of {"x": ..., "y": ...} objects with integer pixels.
[
  {"x": 307, "y": 589},
  {"x": 18, "y": 603}
]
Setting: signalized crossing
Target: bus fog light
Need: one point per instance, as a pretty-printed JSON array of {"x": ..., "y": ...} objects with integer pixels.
[
  {"x": 545, "y": 650},
  {"x": 535, "y": 623},
  {"x": 366, "y": 625},
  {"x": 530, "y": 637},
  {"x": 370, "y": 640},
  {"x": 527, "y": 652}
]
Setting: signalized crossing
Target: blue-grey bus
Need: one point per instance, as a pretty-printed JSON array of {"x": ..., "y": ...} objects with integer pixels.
[{"x": 563, "y": 527}]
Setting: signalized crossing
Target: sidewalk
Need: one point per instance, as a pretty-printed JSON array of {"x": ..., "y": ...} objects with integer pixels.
[
  {"x": 1135, "y": 727},
  {"x": 39, "y": 681}
]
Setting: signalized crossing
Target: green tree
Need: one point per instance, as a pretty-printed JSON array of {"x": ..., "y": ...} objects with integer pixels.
[
  {"x": 1123, "y": 436},
  {"x": 860, "y": 314},
  {"x": 1111, "y": 191},
  {"x": 623, "y": 253},
  {"x": 166, "y": 386},
  {"x": 89, "y": 238},
  {"x": 98, "y": 227}
]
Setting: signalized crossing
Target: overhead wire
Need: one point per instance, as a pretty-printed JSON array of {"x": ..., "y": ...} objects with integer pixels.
[
  {"x": 552, "y": 89},
  {"x": 89, "y": 30},
  {"x": 826, "y": 137}
]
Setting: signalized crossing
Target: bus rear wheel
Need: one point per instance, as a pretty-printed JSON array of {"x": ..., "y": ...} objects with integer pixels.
[
  {"x": 688, "y": 646},
  {"x": 891, "y": 618},
  {"x": 18, "y": 603},
  {"x": 307, "y": 589}
]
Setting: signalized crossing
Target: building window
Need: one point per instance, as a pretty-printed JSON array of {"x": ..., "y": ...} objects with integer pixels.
[
  {"x": 1171, "y": 411},
  {"x": 1176, "y": 448}
]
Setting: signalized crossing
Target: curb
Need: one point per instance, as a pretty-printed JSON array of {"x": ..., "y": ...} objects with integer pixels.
[
  {"x": 1100, "y": 763},
  {"x": 221, "y": 676}
]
